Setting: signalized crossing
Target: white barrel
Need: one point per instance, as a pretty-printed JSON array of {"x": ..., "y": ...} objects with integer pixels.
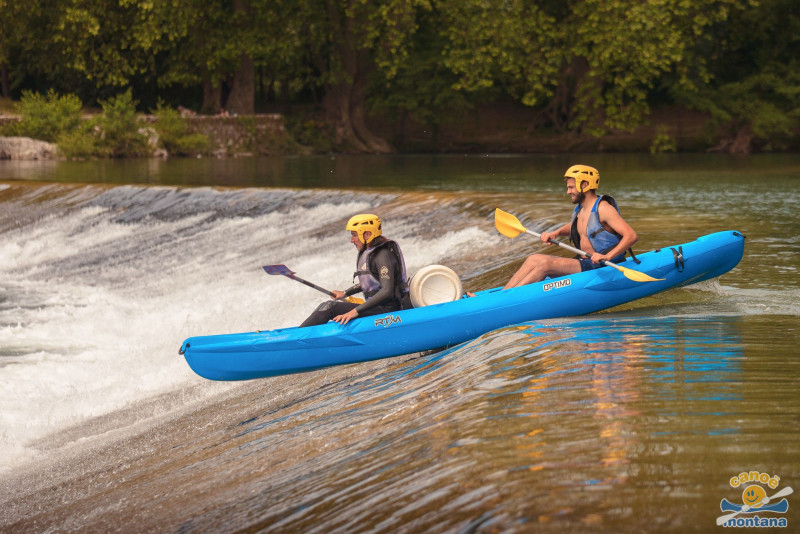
[{"x": 434, "y": 284}]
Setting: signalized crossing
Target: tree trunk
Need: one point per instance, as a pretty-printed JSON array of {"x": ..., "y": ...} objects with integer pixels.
[
  {"x": 346, "y": 108},
  {"x": 345, "y": 99},
  {"x": 358, "y": 116},
  {"x": 242, "y": 99},
  {"x": 561, "y": 110},
  {"x": 212, "y": 98},
  {"x": 6, "y": 91},
  {"x": 337, "y": 106}
]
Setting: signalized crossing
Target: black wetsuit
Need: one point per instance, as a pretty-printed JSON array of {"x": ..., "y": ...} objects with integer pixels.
[{"x": 387, "y": 299}]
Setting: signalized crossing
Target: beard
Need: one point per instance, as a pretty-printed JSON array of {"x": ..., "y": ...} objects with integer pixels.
[{"x": 579, "y": 198}]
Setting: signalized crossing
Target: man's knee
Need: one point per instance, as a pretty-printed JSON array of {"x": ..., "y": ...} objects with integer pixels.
[
  {"x": 536, "y": 260},
  {"x": 321, "y": 315},
  {"x": 325, "y": 306}
]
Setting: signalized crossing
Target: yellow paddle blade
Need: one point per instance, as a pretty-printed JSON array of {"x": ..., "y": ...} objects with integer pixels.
[
  {"x": 507, "y": 224},
  {"x": 636, "y": 276}
]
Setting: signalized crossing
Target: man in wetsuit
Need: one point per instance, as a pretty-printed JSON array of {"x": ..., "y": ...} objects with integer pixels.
[
  {"x": 596, "y": 228},
  {"x": 381, "y": 274}
]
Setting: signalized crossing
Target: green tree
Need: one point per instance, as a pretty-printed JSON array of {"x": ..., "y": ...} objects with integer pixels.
[
  {"x": 364, "y": 36},
  {"x": 196, "y": 54},
  {"x": 753, "y": 84},
  {"x": 508, "y": 45},
  {"x": 585, "y": 65},
  {"x": 420, "y": 87},
  {"x": 18, "y": 41},
  {"x": 590, "y": 64},
  {"x": 87, "y": 47},
  {"x": 225, "y": 44},
  {"x": 96, "y": 41}
]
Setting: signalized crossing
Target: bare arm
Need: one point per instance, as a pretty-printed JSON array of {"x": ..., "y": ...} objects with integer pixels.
[
  {"x": 611, "y": 218},
  {"x": 563, "y": 231}
]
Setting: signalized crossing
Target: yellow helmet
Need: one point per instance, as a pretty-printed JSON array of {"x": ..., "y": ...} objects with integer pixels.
[
  {"x": 365, "y": 222},
  {"x": 584, "y": 173}
]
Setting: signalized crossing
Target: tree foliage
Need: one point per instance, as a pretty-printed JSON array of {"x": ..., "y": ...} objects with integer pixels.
[
  {"x": 45, "y": 117},
  {"x": 586, "y": 66},
  {"x": 175, "y": 136},
  {"x": 755, "y": 74},
  {"x": 121, "y": 130}
]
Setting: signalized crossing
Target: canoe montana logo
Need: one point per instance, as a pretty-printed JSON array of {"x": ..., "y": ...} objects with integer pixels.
[{"x": 761, "y": 499}]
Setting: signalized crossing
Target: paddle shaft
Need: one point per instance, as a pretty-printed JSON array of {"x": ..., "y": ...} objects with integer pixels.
[
  {"x": 288, "y": 273},
  {"x": 575, "y": 250},
  {"x": 309, "y": 284}
]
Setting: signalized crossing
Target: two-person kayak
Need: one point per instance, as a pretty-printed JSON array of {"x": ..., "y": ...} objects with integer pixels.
[{"x": 291, "y": 350}]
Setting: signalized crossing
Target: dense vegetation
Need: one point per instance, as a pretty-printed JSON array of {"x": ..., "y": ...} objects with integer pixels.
[{"x": 588, "y": 66}]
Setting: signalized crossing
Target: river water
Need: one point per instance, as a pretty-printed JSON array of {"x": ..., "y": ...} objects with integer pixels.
[{"x": 631, "y": 420}]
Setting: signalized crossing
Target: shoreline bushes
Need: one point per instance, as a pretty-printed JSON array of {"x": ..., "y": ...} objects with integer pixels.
[{"x": 117, "y": 132}]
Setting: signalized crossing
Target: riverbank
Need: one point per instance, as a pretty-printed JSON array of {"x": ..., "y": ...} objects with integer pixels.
[
  {"x": 508, "y": 128},
  {"x": 495, "y": 128},
  {"x": 244, "y": 135}
]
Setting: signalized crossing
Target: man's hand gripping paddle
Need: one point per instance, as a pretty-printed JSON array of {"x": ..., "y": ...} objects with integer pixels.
[
  {"x": 285, "y": 271},
  {"x": 509, "y": 226}
]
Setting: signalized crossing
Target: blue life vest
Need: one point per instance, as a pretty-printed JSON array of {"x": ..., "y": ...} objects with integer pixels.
[
  {"x": 368, "y": 277},
  {"x": 601, "y": 239}
]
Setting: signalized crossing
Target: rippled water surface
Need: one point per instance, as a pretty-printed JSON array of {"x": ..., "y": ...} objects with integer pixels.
[{"x": 630, "y": 420}]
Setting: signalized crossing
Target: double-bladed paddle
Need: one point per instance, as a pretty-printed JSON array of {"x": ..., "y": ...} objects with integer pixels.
[
  {"x": 509, "y": 226},
  {"x": 285, "y": 271}
]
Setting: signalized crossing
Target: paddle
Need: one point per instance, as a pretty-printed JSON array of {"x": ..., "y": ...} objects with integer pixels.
[
  {"x": 721, "y": 520},
  {"x": 509, "y": 226},
  {"x": 285, "y": 271}
]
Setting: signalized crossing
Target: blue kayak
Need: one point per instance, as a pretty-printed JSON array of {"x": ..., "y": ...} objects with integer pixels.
[{"x": 292, "y": 350}]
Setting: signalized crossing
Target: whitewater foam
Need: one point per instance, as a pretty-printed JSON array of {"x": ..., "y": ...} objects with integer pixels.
[{"x": 98, "y": 300}]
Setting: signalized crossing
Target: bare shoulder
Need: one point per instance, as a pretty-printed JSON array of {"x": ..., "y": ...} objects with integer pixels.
[{"x": 607, "y": 211}]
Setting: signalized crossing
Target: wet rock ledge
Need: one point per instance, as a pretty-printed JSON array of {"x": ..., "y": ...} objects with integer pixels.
[{"x": 26, "y": 148}]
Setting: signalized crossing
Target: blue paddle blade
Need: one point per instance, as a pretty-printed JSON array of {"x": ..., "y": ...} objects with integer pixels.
[{"x": 278, "y": 269}]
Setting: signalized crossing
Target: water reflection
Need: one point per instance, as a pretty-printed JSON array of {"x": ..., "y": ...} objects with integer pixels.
[
  {"x": 610, "y": 382},
  {"x": 601, "y": 405}
]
